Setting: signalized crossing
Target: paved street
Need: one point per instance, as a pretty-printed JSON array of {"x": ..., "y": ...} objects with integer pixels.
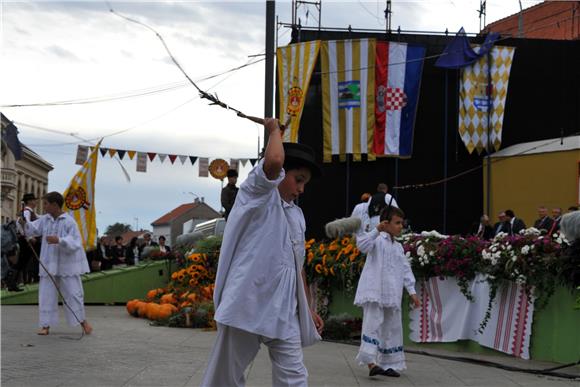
[{"x": 126, "y": 351}]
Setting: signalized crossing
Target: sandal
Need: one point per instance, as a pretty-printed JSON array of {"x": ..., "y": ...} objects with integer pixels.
[{"x": 43, "y": 331}]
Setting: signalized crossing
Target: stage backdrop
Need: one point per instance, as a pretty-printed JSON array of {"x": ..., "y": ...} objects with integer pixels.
[{"x": 542, "y": 102}]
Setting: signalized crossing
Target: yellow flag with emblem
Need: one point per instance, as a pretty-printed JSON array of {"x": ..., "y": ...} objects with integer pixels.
[
  {"x": 79, "y": 199},
  {"x": 348, "y": 98},
  {"x": 295, "y": 65}
]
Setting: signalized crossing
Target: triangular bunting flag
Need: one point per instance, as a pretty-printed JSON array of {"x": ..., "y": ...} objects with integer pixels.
[
  {"x": 182, "y": 158},
  {"x": 112, "y": 152},
  {"x": 162, "y": 157},
  {"x": 234, "y": 164},
  {"x": 92, "y": 148},
  {"x": 151, "y": 155},
  {"x": 172, "y": 158},
  {"x": 131, "y": 154},
  {"x": 103, "y": 151},
  {"x": 193, "y": 159},
  {"x": 253, "y": 161},
  {"x": 244, "y": 162},
  {"x": 121, "y": 153}
]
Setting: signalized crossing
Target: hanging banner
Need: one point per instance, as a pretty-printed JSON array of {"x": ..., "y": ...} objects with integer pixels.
[
  {"x": 79, "y": 200},
  {"x": 235, "y": 164},
  {"x": 474, "y": 98},
  {"x": 203, "y": 166},
  {"x": 141, "y": 162},
  {"x": 182, "y": 158},
  {"x": 295, "y": 65},
  {"x": 348, "y": 98},
  {"x": 162, "y": 157},
  {"x": 398, "y": 78},
  {"x": 82, "y": 154}
]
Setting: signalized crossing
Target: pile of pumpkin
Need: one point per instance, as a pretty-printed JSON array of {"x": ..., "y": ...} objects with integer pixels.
[{"x": 187, "y": 299}]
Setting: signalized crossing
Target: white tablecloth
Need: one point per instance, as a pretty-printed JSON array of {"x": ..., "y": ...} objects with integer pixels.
[{"x": 446, "y": 315}]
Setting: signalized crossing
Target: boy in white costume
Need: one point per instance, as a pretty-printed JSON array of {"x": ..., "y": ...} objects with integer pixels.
[
  {"x": 62, "y": 254},
  {"x": 379, "y": 293},
  {"x": 260, "y": 295}
]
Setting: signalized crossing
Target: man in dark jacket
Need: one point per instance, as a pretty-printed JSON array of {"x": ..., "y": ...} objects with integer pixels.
[
  {"x": 544, "y": 222},
  {"x": 515, "y": 225},
  {"x": 229, "y": 192}
]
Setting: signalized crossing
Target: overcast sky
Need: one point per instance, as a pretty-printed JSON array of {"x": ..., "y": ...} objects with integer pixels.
[{"x": 55, "y": 51}]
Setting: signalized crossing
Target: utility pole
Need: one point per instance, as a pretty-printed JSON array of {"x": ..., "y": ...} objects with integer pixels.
[{"x": 269, "y": 79}]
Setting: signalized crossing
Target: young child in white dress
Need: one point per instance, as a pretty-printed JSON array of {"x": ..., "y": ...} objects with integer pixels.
[{"x": 379, "y": 293}]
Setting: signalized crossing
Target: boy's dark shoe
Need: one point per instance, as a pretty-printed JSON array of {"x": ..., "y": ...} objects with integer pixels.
[
  {"x": 376, "y": 370},
  {"x": 391, "y": 372}
]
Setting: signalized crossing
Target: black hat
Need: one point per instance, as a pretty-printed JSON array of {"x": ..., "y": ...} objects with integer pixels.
[
  {"x": 232, "y": 173},
  {"x": 27, "y": 197},
  {"x": 302, "y": 155}
]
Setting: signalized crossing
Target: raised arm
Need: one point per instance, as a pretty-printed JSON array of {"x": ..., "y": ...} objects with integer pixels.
[{"x": 274, "y": 155}]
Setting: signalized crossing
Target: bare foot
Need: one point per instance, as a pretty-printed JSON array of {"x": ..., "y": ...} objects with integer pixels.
[
  {"x": 43, "y": 331},
  {"x": 87, "y": 327}
]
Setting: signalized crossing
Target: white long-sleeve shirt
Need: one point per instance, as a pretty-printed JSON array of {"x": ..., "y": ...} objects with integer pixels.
[
  {"x": 361, "y": 211},
  {"x": 65, "y": 258},
  {"x": 385, "y": 273},
  {"x": 259, "y": 286}
]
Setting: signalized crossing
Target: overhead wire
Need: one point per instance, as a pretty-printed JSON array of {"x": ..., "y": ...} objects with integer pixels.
[
  {"x": 203, "y": 94},
  {"x": 132, "y": 94},
  {"x": 468, "y": 171},
  {"x": 229, "y": 74}
]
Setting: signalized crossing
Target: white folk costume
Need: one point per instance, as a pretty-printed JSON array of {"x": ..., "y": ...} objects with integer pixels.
[
  {"x": 361, "y": 211},
  {"x": 65, "y": 261},
  {"x": 259, "y": 292},
  {"x": 379, "y": 293}
]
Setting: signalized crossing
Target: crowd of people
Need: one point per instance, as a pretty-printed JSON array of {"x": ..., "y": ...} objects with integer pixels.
[
  {"x": 115, "y": 251},
  {"x": 508, "y": 223}
]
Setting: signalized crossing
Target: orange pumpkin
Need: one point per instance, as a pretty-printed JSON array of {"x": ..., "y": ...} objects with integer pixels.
[
  {"x": 153, "y": 310},
  {"x": 165, "y": 311},
  {"x": 151, "y": 294},
  {"x": 132, "y": 307},
  {"x": 168, "y": 299},
  {"x": 192, "y": 297},
  {"x": 184, "y": 304},
  {"x": 141, "y": 308}
]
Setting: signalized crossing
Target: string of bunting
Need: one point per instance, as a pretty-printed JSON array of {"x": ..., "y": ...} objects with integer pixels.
[{"x": 144, "y": 157}]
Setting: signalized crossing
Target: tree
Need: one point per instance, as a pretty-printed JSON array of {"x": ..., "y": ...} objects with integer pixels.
[{"x": 117, "y": 229}]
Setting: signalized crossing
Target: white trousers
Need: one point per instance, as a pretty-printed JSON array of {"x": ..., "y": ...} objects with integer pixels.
[
  {"x": 382, "y": 337},
  {"x": 234, "y": 350},
  {"x": 71, "y": 288}
]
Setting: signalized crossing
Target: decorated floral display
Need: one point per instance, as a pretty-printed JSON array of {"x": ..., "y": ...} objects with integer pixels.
[
  {"x": 187, "y": 299},
  {"x": 529, "y": 259}
]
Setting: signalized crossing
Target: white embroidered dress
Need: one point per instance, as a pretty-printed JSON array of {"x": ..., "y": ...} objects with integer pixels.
[
  {"x": 379, "y": 293},
  {"x": 385, "y": 273}
]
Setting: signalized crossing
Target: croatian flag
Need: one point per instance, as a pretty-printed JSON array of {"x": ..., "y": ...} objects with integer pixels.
[{"x": 398, "y": 70}]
